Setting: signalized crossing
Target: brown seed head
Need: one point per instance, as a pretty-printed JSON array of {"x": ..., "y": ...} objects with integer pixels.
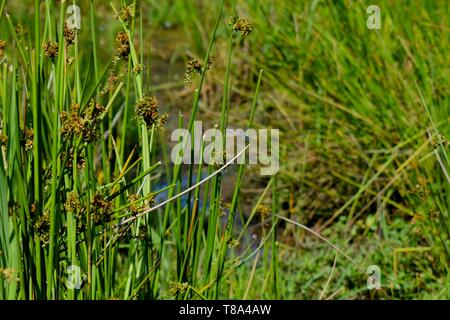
[
  {"x": 263, "y": 210},
  {"x": 72, "y": 203},
  {"x": 122, "y": 45},
  {"x": 101, "y": 208},
  {"x": 243, "y": 26},
  {"x": 50, "y": 49},
  {"x": 28, "y": 139},
  {"x": 177, "y": 287},
  {"x": 127, "y": 13},
  {"x": 3, "y": 140},
  {"x": 2, "y": 46},
  {"x": 42, "y": 228},
  {"x": 69, "y": 35},
  {"x": 146, "y": 109}
]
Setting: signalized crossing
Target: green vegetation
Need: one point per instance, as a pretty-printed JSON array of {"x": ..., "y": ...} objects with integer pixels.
[{"x": 86, "y": 177}]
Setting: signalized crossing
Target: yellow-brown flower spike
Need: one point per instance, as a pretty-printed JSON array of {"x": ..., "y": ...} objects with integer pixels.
[
  {"x": 241, "y": 25},
  {"x": 2, "y": 46},
  {"x": 146, "y": 109},
  {"x": 122, "y": 45},
  {"x": 50, "y": 49},
  {"x": 69, "y": 35}
]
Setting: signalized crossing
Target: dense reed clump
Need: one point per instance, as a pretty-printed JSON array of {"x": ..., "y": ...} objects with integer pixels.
[
  {"x": 84, "y": 125},
  {"x": 84, "y": 183}
]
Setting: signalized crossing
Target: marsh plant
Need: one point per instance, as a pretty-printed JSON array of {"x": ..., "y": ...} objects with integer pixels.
[
  {"x": 224, "y": 149},
  {"x": 79, "y": 219}
]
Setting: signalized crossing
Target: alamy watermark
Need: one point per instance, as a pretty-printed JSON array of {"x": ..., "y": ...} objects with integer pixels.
[
  {"x": 374, "y": 19},
  {"x": 73, "y": 277},
  {"x": 374, "y": 279},
  {"x": 217, "y": 147},
  {"x": 73, "y": 20}
]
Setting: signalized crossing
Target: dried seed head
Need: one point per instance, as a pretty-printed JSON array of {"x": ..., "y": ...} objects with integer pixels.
[
  {"x": 146, "y": 109},
  {"x": 123, "y": 51},
  {"x": 72, "y": 124},
  {"x": 138, "y": 68},
  {"x": 209, "y": 63},
  {"x": 72, "y": 203},
  {"x": 162, "y": 121},
  {"x": 134, "y": 207},
  {"x": 50, "y": 49},
  {"x": 232, "y": 242},
  {"x": 137, "y": 205},
  {"x": 127, "y": 13},
  {"x": 112, "y": 79},
  {"x": 21, "y": 30},
  {"x": 28, "y": 139},
  {"x": 69, "y": 35},
  {"x": 193, "y": 66},
  {"x": 33, "y": 208},
  {"x": 86, "y": 125},
  {"x": 241, "y": 25},
  {"x": 70, "y": 60},
  {"x": 122, "y": 38},
  {"x": 2, "y": 46},
  {"x": 42, "y": 228},
  {"x": 122, "y": 45},
  {"x": 439, "y": 140},
  {"x": 176, "y": 288},
  {"x": 68, "y": 126},
  {"x": 3, "y": 140},
  {"x": 101, "y": 208},
  {"x": 263, "y": 210},
  {"x": 73, "y": 206}
]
